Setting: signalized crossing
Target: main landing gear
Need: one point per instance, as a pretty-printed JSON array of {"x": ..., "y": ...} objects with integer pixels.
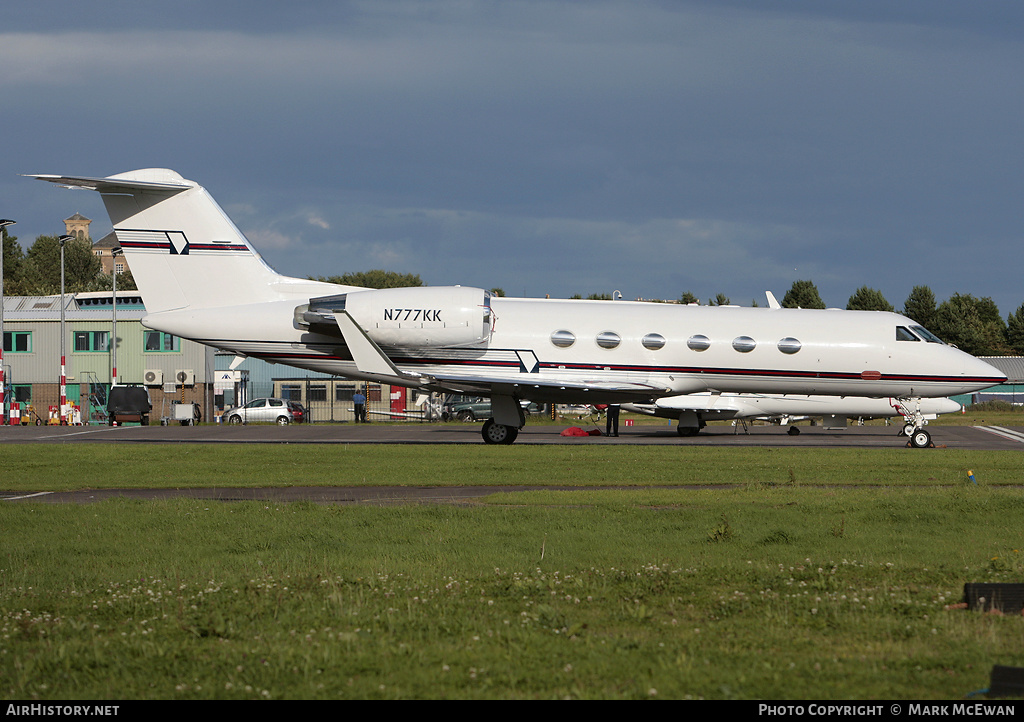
[
  {"x": 495, "y": 433},
  {"x": 509, "y": 417}
]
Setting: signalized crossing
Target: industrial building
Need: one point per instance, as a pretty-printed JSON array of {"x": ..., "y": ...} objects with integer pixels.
[
  {"x": 170, "y": 367},
  {"x": 1011, "y": 391}
]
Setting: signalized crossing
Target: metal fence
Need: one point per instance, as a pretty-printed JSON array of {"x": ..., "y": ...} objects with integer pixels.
[{"x": 330, "y": 400}]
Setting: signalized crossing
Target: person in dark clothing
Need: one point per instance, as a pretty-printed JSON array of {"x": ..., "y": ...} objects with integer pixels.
[{"x": 612, "y": 421}]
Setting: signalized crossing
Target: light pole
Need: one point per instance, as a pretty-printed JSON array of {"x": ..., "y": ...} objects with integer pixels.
[
  {"x": 63, "y": 377},
  {"x": 113, "y": 341},
  {"x": 3, "y": 397}
]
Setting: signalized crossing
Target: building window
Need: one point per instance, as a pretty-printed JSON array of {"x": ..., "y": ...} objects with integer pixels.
[
  {"x": 17, "y": 342},
  {"x": 159, "y": 342},
  {"x": 343, "y": 392},
  {"x": 291, "y": 392},
  {"x": 92, "y": 340},
  {"x": 316, "y": 392}
]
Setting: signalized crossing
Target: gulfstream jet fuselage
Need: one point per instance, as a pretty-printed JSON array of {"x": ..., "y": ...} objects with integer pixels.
[{"x": 201, "y": 279}]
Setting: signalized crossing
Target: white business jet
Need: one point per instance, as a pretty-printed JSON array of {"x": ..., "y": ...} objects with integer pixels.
[
  {"x": 201, "y": 279},
  {"x": 693, "y": 411}
]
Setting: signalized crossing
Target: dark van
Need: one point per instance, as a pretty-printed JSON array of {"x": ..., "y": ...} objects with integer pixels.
[{"x": 128, "y": 404}]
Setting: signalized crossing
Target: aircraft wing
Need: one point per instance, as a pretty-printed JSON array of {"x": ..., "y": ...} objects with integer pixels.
[{"x": 544, "y": 389}]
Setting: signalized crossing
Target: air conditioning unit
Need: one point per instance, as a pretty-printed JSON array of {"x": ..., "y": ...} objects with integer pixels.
[
  {"x": 152, "y": 377},
  {"x": 185, "y": 377}
]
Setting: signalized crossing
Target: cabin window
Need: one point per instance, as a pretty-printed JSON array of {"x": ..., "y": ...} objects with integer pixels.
[
  {"x": 904, "y": 334},
  {"x": 698, "y": 342},
  {"x": 744, "y": 344},
  {"x": 653, "y": 341},
  {"x": 563, "y": 339},
  {"x": 608, "y": 339},
  {"x": 926, "y": 334},
  {"x": 789, "y": 345}
]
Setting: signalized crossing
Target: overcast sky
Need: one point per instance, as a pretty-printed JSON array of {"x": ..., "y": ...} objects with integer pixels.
[{"x": 552, "y": 147}]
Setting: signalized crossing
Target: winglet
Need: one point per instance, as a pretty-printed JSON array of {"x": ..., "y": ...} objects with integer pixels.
[{"x": 772, "y": 302}]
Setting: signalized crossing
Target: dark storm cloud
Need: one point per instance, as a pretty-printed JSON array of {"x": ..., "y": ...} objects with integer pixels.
[{"x": 550, "y": 147}]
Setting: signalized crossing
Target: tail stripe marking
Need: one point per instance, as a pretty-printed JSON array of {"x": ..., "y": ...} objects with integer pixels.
[{"x": 173, "y": 242}]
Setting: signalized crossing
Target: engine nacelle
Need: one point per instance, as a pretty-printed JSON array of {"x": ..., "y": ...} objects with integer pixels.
[{"x": 418, "y": 317}]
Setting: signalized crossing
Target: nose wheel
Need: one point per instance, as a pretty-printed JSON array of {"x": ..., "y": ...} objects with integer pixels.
[{"x": 910, "y": 409}]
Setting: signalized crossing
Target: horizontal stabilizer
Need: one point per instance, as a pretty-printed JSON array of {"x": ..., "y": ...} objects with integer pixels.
[{"x": 113, "y": 184}]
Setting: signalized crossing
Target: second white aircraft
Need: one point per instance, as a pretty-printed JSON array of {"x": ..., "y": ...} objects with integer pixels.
[{"x": 693, "y": 411}]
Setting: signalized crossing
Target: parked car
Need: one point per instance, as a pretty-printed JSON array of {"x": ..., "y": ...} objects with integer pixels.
[
  {"x": 279, "y": 411},
  {"x": 480, "y": 409}
]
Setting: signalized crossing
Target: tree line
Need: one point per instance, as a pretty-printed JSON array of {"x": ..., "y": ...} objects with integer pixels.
[{"x": 37, "y": 271}]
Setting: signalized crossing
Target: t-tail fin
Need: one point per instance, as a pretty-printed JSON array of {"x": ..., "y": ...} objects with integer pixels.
[{"x": 182, "y": 249}]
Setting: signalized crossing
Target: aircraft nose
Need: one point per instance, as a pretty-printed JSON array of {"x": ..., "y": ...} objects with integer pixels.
[{"x": 984, "y": 370}]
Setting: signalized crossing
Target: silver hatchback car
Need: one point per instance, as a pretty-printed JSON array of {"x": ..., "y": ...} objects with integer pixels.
[{"x": 277, "y": 411}]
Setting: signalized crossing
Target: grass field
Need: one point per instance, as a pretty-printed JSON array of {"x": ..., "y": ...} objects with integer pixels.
[
  {"x": 29, "y": 467},
  {"x": 806, "y": 575}
]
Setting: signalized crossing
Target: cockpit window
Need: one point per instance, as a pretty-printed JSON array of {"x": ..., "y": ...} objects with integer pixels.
[
  {"x": 903, "y": 334},
  {"x": 926, "y": 334}
]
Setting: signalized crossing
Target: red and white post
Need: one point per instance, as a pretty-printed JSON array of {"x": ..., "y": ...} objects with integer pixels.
[
  {"x": 63, "y": 392},
  {"x": 4, "y": 222}
]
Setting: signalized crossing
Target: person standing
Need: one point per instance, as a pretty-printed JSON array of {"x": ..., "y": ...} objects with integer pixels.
[
  {"x": 359, "y": 401},
  {"x": 612, "y": 420}
]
